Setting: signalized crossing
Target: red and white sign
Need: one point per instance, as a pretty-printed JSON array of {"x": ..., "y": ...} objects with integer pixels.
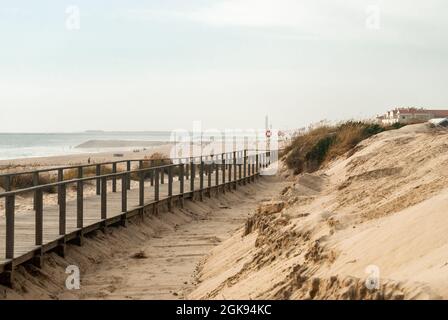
[{"x": 268, "y": 133}]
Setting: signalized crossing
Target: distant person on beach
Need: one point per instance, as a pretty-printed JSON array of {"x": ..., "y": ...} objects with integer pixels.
[{"x": 88, "y": 160}]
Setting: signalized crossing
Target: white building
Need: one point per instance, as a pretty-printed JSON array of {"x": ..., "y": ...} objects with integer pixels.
[{"x": 410, "y": 115}]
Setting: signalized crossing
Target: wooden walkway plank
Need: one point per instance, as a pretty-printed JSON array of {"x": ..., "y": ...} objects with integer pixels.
[
  {"x": 48, "y": 226},
  {"x": 25, "y": 220}
]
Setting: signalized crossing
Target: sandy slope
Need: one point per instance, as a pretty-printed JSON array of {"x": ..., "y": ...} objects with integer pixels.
[
  {"x": 151, "y": 259},
  {"x": 384, "y": 208}
]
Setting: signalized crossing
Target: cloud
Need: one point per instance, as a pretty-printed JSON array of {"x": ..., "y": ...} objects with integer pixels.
[
  {"x": 333, "y": 19},
  {"x": 292, "y": 14}
]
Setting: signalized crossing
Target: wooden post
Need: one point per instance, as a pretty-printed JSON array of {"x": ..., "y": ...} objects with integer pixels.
[
  {"x": 124, "y": 194},
  {"x": 170, "y": 187},
  {"x": 253, "y": 169},
  {"x": 125, "y": 179},
  {"x": 223, "y": 165},
  {"x": 216, "y": 167},
  {"x": 170, "y": 181},
  {"x": 257, "y": 165},
  {"x": 249, "y": 171},
  {"x": 104, "y": 198},
  {"x": 181, "y": 184},
  {"x": 10, "y": 215},
  {"x": 156, "y": 185},
  {"x": 35, "y": 183},
  {"x": 151, "y": 173},
  {"x": 37, "y": 259},
  {"x": 39, "y": 216},
  {"x": 181, "y": 178},
  {"x": 239, "y": 173},
  {"x": 265, "y": 159},
  {"x": 80, "y": 204},
  {"x": 141, "y": 188},
  {"x": 187, "y": 169},
  {"x": 245, "y": 166},
  {"x": 7, "y": 181},
  {"x": 234, "y": 170},
  {"x": 201, "y": 180},
  {"x": 229, "y": 166},
  {"x": 209, "y": 179},
  {"x": 62, "y": 209},
  {"x": 128, "y": 175},
  {"x": 114, "y": 179},
  {"x": 98, "y": 180},
  {"x": 192, "y": 175},
  {"x": 60, "y": 177}
]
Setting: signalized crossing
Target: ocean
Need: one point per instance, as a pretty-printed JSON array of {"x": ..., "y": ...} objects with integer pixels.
[
  {"x": 31, "y": 145},
  {"x": 26, "y": 145}
]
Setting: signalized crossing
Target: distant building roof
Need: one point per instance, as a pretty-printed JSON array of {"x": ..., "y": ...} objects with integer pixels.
[
  {"x": 439, "y": 113},
  {"x": 436, "y": 113}
]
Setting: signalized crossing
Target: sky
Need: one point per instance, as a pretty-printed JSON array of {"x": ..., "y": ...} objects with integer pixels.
[{"x": 161, "y": 65}]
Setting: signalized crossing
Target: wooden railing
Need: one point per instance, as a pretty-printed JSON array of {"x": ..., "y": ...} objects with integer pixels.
[
  {"x": 228, "y": 170},
  {"x": 8, "y": 178}
]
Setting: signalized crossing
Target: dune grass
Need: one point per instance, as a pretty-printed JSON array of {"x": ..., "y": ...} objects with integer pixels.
[
  {"x": 24, "y": 181},
  {"x": 157, "y": 159},
  {"x": 310, "y": 151},
  {"x": 71, "y": 174}
]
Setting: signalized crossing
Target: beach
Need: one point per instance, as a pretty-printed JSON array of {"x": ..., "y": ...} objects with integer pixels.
[
  {"x": 369, "y": 225},
  {"x": 35, "y": 163},
  {"x": 156, "y": 258}
]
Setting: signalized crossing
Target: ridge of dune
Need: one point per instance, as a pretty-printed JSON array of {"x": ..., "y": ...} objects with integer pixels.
[{"x": 382, "y": 208}]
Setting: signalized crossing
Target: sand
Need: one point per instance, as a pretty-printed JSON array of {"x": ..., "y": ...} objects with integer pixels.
[
  {"x": 370, "y": 225},
  {"x": 377, "y": 217},
  {"x": 24, "y": 202},
  {"x": 97, "y": 144},
  {"x": 151, "y": 259},
  {"x": 25, "y": 164}
]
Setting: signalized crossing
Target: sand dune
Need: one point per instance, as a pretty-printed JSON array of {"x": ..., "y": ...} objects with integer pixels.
[{"x": 377, "y": 216}]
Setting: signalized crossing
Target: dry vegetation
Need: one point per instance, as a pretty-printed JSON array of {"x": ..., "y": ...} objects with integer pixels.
[
  {"x": 86, "y": 172},
  {"x": 309, "y": 151},
  {"x": 24, "y": 181},
  {"x": 155, "y": 160}
]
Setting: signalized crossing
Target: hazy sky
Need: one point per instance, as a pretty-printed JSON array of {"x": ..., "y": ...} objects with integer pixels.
[{"x": 155, "y": 65}]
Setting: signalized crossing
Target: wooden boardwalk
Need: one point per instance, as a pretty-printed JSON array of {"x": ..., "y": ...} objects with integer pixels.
[{"x": 26, "y": 236}]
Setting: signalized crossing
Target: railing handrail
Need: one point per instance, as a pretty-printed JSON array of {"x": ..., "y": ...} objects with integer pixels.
[
  {"x": 55, "y": 168},
  {"x": 112, "y": 175},
  {"x": 65, "y": 182},
  {"x": 249, "y": 166}
]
